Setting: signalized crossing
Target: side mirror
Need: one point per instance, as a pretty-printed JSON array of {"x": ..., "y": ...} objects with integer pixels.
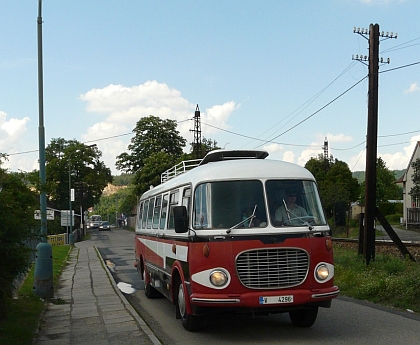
[{"x": 180, "y": 219}]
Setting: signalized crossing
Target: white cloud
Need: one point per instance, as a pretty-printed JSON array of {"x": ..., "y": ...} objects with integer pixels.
[
  {"x": 11, "y": 133},
  {"x": 124, "y": 106},
  {"x": 289, "y": 156},
  {"x": 413, "y": 88}
]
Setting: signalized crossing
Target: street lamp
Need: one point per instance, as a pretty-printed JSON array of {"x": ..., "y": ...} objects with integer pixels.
[{"x": 70, "y": 234}]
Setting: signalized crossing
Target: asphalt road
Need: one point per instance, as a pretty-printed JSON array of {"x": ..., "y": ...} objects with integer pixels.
[{"x": 347, "y": 322}]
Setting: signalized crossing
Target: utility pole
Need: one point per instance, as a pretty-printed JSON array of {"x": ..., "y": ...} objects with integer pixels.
[
  {"x": 371, "y": 146},
  {"x": 325, "y": 148},
  {"x": 197, "y": 149},
  {"x": 371, "y": 137}
]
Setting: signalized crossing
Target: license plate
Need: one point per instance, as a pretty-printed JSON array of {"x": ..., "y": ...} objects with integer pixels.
[{"x": 276, "y": 299}]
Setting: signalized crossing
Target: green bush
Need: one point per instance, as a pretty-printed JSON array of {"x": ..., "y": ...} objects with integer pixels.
[
  {"x": 17, "y": 221},
  {"x": 394, "y": 218}
]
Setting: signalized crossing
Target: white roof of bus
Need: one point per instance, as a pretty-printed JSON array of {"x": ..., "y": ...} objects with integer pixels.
[{"x": 239, "y": 169}]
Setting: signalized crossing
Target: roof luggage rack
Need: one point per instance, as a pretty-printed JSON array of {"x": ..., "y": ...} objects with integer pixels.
[
  {"x": 212, "y": 156},
  {"x": 178, "y": 169}
]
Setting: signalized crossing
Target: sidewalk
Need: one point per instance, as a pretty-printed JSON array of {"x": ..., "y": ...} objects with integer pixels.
[{"x": 90, "y": 308}]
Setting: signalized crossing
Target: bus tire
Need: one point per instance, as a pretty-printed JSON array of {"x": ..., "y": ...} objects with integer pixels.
[
  {"x": 149, "y": 290},
  {"x": 190, "y": 322},
  {"x": 304, "y": 317}
]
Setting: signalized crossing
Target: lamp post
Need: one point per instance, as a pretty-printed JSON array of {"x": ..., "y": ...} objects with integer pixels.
[
  {"x": 43, "y": 272},
  {"x": 70, "y": 234}
]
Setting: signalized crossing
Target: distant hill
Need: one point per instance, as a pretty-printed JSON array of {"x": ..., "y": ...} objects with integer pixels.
[{"x": 360, "y": 175}]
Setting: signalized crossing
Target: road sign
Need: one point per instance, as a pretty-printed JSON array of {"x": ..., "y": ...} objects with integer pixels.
[
  {"x": 50, "y": 214},
  {"x": 65, "y": 218}
]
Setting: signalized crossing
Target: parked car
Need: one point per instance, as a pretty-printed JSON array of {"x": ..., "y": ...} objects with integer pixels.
[{"x": 104, "y": 226}]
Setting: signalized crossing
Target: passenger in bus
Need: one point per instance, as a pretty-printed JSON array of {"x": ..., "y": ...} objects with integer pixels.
[{"x": 289, "y": 212}]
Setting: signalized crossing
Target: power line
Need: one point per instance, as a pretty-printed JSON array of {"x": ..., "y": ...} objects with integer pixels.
[{"x": 316, "y": 112}]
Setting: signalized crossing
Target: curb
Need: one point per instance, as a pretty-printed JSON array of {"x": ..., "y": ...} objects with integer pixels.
[{"x": 127, "y": 305}]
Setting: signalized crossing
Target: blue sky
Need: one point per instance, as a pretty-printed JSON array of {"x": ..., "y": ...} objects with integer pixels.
[{"x": 258, "y": 70}]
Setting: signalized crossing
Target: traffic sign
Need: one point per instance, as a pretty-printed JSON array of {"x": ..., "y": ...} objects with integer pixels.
[{"x": 50, "y": 214}]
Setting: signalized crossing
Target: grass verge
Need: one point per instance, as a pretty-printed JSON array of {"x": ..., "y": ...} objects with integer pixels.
[
  {"x": 20, "y": 324},
  {"x": 389, "y": 280}
]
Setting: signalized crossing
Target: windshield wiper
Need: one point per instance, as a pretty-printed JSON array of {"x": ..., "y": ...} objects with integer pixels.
[{"x": 250, "y": 218}]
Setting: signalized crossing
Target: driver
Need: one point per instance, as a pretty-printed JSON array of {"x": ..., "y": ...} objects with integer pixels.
[{"x": 290, "y": 214}]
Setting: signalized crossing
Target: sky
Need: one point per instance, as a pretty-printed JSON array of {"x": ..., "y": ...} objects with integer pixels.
[{"x": 269, "y": 75}]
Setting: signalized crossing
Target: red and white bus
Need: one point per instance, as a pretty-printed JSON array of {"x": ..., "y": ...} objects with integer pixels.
[{"x": 211, "y": 240}]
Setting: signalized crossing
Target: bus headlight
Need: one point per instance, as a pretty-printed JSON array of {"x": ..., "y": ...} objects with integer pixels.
[
  {"x": 324, "y": 272},
  {"x": 218, "y": 278}
]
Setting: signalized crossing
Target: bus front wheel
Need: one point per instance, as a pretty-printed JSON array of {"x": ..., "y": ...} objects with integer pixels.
[
  {"x": 189, "y": 322},
  {"x": 304, "y": 317}
]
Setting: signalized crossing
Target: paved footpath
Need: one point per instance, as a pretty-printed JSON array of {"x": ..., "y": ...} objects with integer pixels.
[{"x": 90, "y": 309}]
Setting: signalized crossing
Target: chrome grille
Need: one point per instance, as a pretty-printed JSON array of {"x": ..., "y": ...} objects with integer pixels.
[{"x": 272, "y": 268}]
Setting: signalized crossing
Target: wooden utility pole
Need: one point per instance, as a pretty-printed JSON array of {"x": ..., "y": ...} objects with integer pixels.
[
  {"x": 371, "y": 146},
  {"x": 371, "y": 210}
]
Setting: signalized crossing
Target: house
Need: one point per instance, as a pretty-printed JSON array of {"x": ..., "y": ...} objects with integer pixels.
[{"x": 411, "y": 209}]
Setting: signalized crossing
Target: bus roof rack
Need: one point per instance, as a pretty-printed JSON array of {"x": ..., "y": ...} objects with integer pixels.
[
  {"x": 178, "y": 169},
  {"x": 213, "y": 156},
  {"x": 222, "y": 155}
]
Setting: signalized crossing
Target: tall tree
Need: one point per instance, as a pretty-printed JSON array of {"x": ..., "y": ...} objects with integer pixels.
[
  {"x": 88, "y": 174},
  {"x": 152, "y": 135},
  {"x": 335, "y": 181}
]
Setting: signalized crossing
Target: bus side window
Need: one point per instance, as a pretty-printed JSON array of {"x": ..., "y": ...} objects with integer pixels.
[
  {"x": 156, "y": 212},
  {"x": 164, "y": 211},
  {"x": 140, "y": 213},
  {"x": 186, "y": 199},
  {"x": 173, "y": 201},
  {"x": 150, "y": 213},
  {"x": 143, "y": 221}
]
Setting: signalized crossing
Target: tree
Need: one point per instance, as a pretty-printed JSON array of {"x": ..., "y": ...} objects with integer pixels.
[
  {"x": 152, "y": 135},
  {"x": 150, "y": 174},
  {"x": 88, "y": 174},
  {"x": 17, "y": 221},
  {"x": 335, "y": 181},
  {"x": 386, "y": 188}
]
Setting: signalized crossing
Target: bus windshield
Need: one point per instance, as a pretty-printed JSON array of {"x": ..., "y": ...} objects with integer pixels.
[
  {"x": 294, "y": 203},
  {"x": 241, "y": 204},
  {"x": 226, "y": 204}
]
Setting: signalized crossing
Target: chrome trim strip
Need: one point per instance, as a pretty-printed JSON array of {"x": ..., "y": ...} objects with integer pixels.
[
  {"x": 328, "y": 294},
  {"x": 212, "y": 300}
]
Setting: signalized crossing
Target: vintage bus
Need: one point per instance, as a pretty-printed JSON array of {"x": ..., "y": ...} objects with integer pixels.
[{"x": 211, "y": 239}]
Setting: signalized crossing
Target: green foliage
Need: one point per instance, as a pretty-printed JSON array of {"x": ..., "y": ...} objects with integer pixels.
[
  {"x": 335, "y": 181},
  {"x": 150, "y": 174},
  {"x": 110, "y": 205},
  {"x": 71, "y": 161},
  {"x": 394, "y": 218},
  {"x": 387, "y": 208},
  {"x": 388, "y": 280},
  {"x": 17, "y": 221},
  {"x": 23, "y": 314},
  {"x": 122, "y": 180},
  {"x": 386, "y": 188},
  {"x": 152, "y": 135}
]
